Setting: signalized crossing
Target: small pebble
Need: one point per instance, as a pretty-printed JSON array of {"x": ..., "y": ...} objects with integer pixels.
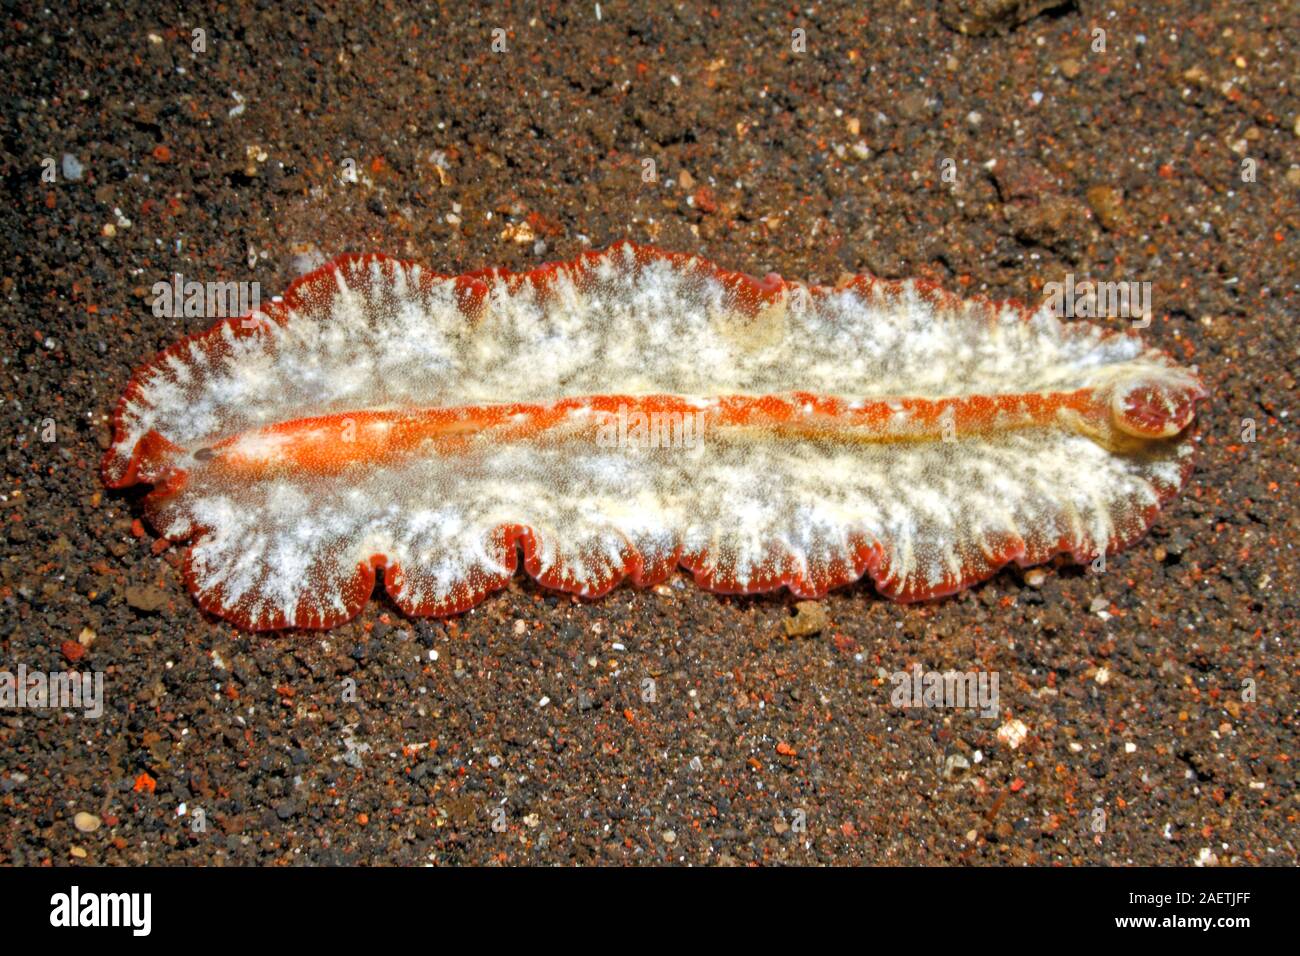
[
  {"x": 147, "y": 599},
  {"x": 72, "y": 169},
  {"x": 954, "y": 765},
  {"x": 1107, "y": 204},
  {"x": 86, "y": 822},
  {"x": 810, "y": 617},
  {"x": 1013, "y": 733}
]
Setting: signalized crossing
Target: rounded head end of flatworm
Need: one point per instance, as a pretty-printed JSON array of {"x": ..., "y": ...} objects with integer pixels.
[{"x": 1156, "y": 406}]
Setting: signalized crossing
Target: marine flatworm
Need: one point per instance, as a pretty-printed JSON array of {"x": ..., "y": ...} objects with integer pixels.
[{"x": 628, "y": 412}]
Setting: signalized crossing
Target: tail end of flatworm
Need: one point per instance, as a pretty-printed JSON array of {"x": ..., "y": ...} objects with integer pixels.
[{"x": 150, "y": 460}]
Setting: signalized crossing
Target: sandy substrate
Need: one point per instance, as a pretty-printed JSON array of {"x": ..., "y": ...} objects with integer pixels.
[{"x": 1153, "y": 705}]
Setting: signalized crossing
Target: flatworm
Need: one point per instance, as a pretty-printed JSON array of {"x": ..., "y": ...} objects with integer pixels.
[{"x": 630, "y": 411}]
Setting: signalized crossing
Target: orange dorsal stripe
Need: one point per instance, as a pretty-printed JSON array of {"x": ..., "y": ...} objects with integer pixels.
[{"x": 328, "y": 444}]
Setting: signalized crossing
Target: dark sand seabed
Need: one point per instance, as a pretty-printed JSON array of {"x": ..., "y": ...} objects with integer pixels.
[{"x": 758, "y": 747}]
